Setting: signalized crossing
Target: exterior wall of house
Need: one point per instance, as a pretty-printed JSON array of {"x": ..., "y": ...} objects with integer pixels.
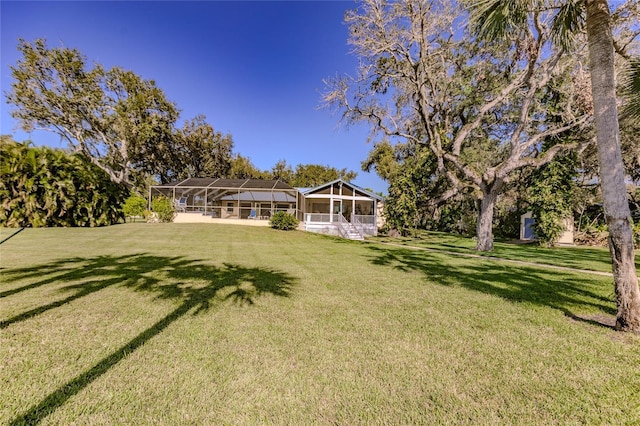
[
  {"x": 322, "y": 228},
  {"x": 229, "y": 210},
  {"x": 369, "y": 230}
]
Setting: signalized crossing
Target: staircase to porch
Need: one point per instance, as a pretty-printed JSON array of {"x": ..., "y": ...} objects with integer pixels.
[{"x": 349, "y": 230}]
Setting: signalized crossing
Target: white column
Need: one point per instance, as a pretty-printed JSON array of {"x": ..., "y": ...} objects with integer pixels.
[
  {"x": 331, "y": 207},
  {"x": 353, "y": 206}
]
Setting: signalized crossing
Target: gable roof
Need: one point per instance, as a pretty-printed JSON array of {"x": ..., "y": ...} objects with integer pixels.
[{"x": 306, "y": 191}]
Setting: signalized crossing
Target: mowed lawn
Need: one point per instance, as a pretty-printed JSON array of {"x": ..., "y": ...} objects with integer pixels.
[{"x": 218, "y": 324}]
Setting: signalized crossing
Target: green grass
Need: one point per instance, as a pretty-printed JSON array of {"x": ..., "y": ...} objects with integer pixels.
[
  {"x": 587, "y": 258},
  {"x": 219, "y": 324}
]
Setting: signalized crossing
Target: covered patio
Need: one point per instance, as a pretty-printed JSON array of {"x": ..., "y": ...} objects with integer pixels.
[
  {"x": 340, "y": 208},
  {"x": 252, "y": 199}
]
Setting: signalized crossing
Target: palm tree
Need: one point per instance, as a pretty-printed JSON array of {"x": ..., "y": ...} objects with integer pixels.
[{"x": 494, "y": 18}]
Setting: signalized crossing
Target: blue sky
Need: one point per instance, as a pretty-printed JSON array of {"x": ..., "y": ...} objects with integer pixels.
[{"x": 255, "y": 69}]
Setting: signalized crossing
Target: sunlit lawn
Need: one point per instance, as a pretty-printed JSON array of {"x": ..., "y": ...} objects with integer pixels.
[{"x": 214, "y": 324}]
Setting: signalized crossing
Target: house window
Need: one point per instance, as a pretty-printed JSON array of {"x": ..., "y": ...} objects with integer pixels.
[{"x": 229, "y": 207}]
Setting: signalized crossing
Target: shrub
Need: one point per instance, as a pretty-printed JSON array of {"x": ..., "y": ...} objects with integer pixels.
[
  {"x": 283, "y": 221},
  {"x": 40, "y": 186},
  {"x": 548, "y": 227},
  {"x": 135, "y": 205},
  {"x": 164, "y": 208}
]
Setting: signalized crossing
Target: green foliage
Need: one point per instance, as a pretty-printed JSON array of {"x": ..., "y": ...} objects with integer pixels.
[
  {"x": 400, "y": 208},
  {"x": 551, "y": 194},
  {"x": 122, "y": 122},
  {"x": 384, "y": 159},
  {"x": 47, "y": 187},
  {"x": 164, "y": 208},
  {"x": 283, "y": 221},
  {"x": 243, "y": 168},
  {"x": 198, "y": 151},
  {"x": 282, "y": 171},
  {"x": 304, "y": 175},
  {"x": 631, "y": 90},
  {"x": 310, "y": 175},
  {"x": 135, "y": 205},
  {"x": 458, "y": 215}
]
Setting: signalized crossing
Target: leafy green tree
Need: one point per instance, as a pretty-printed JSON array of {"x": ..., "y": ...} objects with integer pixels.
[
  {"x": 401, "y": 206},
  {"x": 310, "y": 175},
  {"x": 385, "y": 159},
  {"x": 124, "y": 124},
  {"x": 243, "y": 168},
  {"x": 282, "y": 171},
  {"x": 304, "y": 175},
  {"x": 201, "y": 151},
  {"x": 115, "y": 118},
  {"x": 476, "y": 106},
  {"x": 47, "y": 187},
  {"x": 496, "y": 19}
]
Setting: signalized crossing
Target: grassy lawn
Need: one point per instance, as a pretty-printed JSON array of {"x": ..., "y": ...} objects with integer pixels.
[
  {"x": 589, "y": 258},
  {"x": 219, "y": 324}
]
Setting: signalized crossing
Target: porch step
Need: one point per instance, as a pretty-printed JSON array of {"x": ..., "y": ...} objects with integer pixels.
[
  {"x": 355, "y": 237},
  {"x": 351, "y": 232}
]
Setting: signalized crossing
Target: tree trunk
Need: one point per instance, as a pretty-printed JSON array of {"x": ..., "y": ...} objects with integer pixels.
[
  {"x": 484, "y": 228},
  {"x": 612, "y": 182}
]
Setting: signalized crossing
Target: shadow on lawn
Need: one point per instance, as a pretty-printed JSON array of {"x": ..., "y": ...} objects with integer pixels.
[
  {"x": 194, "y": 284},
  {"x": 557, "y": 290}
]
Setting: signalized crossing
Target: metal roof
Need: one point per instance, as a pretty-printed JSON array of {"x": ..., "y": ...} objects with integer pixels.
[
  {"x": 258, "y": 184},
  {"x": 260, "y": 196}
]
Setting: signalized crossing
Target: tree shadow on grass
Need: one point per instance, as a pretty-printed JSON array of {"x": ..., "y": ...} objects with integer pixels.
[
  {"x": 194, "y": 284},
  {"x": 565, "y": 292},
  {"x": 594, "y": 258}
]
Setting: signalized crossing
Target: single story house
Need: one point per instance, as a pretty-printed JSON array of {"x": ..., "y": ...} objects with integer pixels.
[{"x": 335, "y": 208}]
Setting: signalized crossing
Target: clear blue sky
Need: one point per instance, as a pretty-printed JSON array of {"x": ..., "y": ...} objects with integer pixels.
[{"x": 255, "y": 69}]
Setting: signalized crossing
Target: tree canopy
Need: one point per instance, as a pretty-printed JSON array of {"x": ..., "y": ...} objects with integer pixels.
[
  {"x": 482, "y": 109},
  {"x": 121, "y": 122}
]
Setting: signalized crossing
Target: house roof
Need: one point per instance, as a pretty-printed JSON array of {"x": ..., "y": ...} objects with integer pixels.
[
  {"x": 260, "y": 196},
  {"x": 306, "y": 191},
  {"x": 257, "y": 184}
]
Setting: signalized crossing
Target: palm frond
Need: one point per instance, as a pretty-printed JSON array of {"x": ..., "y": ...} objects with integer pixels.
[
  {"x": 569, "y": 21},
  {"x": 630, "y": 84},
  {"x": 492, "y": 19}
]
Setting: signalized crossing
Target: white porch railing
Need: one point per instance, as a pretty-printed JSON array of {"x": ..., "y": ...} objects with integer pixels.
[
  {"x": 326, "y": 218},
  {"x": 364, "y": 219},
  {"x": 317, "y": 217}
]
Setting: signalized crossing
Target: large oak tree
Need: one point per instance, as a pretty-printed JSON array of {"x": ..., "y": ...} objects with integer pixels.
[{"x": 482, "y": 109}]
